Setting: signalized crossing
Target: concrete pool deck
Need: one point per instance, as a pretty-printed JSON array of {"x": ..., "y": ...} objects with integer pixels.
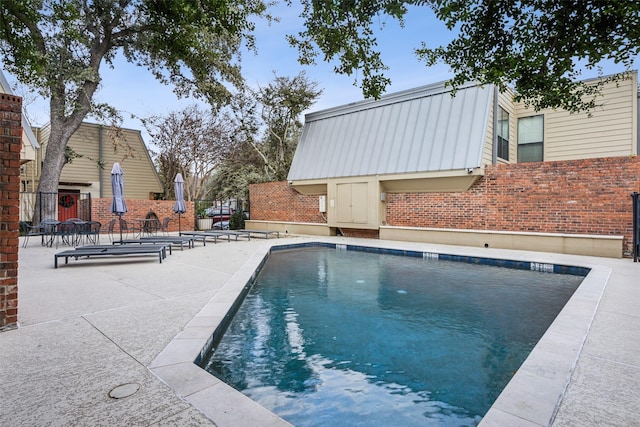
[{"x": 92, "y": 326}]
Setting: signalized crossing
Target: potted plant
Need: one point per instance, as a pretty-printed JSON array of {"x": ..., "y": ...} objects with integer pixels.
[{"x": 204, "y": 222}]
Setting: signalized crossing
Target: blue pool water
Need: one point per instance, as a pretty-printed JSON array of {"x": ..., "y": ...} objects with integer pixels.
[{"x": 334, "y": 337}]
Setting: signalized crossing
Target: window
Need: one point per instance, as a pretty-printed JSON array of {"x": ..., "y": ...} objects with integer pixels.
[
  {"x": 503, "y": 134},
  {"x": 530, "y": 139}
]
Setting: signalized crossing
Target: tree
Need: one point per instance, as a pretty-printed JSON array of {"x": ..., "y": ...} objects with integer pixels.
[
  {"x": 269, "y": 120},
  {"x": 242, "y": 167},
  {"x": 59, "y": 46},
  {"x": 537, "y": 47},
  {"x": 193, "y": 142}
]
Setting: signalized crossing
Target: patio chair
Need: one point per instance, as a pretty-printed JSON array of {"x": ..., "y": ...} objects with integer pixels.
[
  {"x": 90, "y": 231},
  {"x": 114, "y": 228},
  {"x": 29, "y": 230},
  {"x": 110, "y": 228},
  {"x": 164, "y": 226}
]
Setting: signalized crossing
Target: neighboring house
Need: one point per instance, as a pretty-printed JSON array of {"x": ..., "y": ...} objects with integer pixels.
[
  {"x": 95, "y": 148},
  {"x": 423, "y": 165},
  {"x": 29, "y": 141}
]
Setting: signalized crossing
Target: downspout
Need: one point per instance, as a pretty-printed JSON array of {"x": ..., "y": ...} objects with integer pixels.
[
  {"x": 35, "y": 170},
  {"x": 494, "y": 149},
  {"x": 638, "y": 130},
  {"x": 100, "y": 167}
]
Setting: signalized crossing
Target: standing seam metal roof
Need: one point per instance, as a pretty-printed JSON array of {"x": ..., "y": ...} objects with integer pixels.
[
  {"x": 26, "y": 126},
  {"x": 418, "y": 130}
]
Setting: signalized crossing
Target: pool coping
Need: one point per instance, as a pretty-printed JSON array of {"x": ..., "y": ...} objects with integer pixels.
[{"x": 532, "y": 397}]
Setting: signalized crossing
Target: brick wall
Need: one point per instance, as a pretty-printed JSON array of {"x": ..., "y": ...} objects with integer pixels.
[
  {"x": 589, "y": 196},
  {"x": 577, "y": 197},
  {"x": 10, "y": 145},
  {"x": 277, "y": 201},
  {"x": 136, "y": 208},
  {"x": 360, "y": 233}
]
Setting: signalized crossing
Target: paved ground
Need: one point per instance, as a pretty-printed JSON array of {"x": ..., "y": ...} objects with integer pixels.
[{"x": 93, "y": 325}]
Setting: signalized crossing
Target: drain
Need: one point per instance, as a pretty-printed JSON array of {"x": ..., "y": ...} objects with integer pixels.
[{"x": 124, "y": 390}]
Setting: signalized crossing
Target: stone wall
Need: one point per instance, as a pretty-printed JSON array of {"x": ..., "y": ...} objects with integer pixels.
[{"x": 10, "y": 145}]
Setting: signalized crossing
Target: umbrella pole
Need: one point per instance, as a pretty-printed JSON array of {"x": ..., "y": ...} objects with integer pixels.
[
  {"x": 120, "y": 217},
  {"x": 179, "y": 227}
]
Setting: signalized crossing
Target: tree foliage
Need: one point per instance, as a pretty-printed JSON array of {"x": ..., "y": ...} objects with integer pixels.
[
  {"x": 193, "y": 142},
  {"x": 59, "y": 46},
  {"x": 538, "y": 47},
  {"x": 242, "y": 167},
  {"x": 345, "y": 30},
  {"x": 269, "y": 119},
  {"x": 268, "y": 125}
]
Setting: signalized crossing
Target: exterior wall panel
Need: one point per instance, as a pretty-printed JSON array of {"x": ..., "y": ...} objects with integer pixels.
[{"x": 610, "y": 130}]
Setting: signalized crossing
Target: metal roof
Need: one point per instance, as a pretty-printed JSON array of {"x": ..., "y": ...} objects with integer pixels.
[
  {"x": 26, "y": 126},
  {"x": 419, "y": 130}
]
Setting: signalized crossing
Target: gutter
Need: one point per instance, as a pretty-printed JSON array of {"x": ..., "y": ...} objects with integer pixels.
[
  {"x": 100, "y": 168},
  {"x": 494, "y": 149}
]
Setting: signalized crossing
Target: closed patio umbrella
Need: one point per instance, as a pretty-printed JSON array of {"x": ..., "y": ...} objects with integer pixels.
[
  {"x": 118, "y": 205},
  {"x": 179, "y": 207}
]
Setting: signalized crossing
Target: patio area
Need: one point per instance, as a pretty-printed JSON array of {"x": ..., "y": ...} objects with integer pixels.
[{"x": 98, "y": 340}]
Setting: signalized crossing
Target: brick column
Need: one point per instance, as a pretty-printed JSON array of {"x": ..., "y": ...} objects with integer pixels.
[{"x": 10, "y": 145}]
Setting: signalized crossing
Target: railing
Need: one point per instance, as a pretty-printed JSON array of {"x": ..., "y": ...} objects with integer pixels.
[{"x": 60, "y": 206}]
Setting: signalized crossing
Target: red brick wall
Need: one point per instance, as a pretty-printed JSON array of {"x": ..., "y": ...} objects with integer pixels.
[
  {"x": 276, "y": 201},
  {"x": 438, "y": 210},
  {"x": 576, "y": 197},
  {"x": 136, "y": 208},
  {"x": 10, "y": 145},
  {"x": 360, "y": 233}
]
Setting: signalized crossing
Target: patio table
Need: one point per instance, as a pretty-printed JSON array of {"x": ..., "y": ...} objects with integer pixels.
[
  {"x": 147, "y": 227},
  {"x": 49, "y": 229}
]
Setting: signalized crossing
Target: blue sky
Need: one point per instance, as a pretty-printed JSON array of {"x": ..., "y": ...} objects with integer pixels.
[{"x": 133, "y": 90}]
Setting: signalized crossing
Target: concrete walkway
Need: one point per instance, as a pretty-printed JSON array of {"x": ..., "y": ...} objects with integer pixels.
[{"x": 95, "y": 336}]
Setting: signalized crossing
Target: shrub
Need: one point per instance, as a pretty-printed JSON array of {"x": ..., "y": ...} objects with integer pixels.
[{"x": 236, "y": 220}]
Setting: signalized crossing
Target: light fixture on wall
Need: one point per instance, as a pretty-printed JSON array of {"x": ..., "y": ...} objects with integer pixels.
[{"x": 383, "y": 197}]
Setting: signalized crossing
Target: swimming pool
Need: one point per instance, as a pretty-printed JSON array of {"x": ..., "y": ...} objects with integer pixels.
[{"x": 421, "y": 382}]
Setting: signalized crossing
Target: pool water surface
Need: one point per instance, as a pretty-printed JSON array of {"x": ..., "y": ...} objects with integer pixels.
[{"x": 335, "y": 337}]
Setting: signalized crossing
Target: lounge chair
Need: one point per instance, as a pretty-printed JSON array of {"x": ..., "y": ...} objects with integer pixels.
[
  {"x": 110, "y": 250},
  {"x": 230, "y": 233},
  {"x": 265, "y": 233},
  {"x": 205, "y": 235},
  {"x": 164, "y": 240}
]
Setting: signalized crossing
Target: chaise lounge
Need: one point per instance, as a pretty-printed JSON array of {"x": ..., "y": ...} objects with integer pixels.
[{"x": 108, "y": 250}]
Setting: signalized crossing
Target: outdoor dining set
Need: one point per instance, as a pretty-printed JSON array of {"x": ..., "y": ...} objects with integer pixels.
[{"x": 71, "y": 232}]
